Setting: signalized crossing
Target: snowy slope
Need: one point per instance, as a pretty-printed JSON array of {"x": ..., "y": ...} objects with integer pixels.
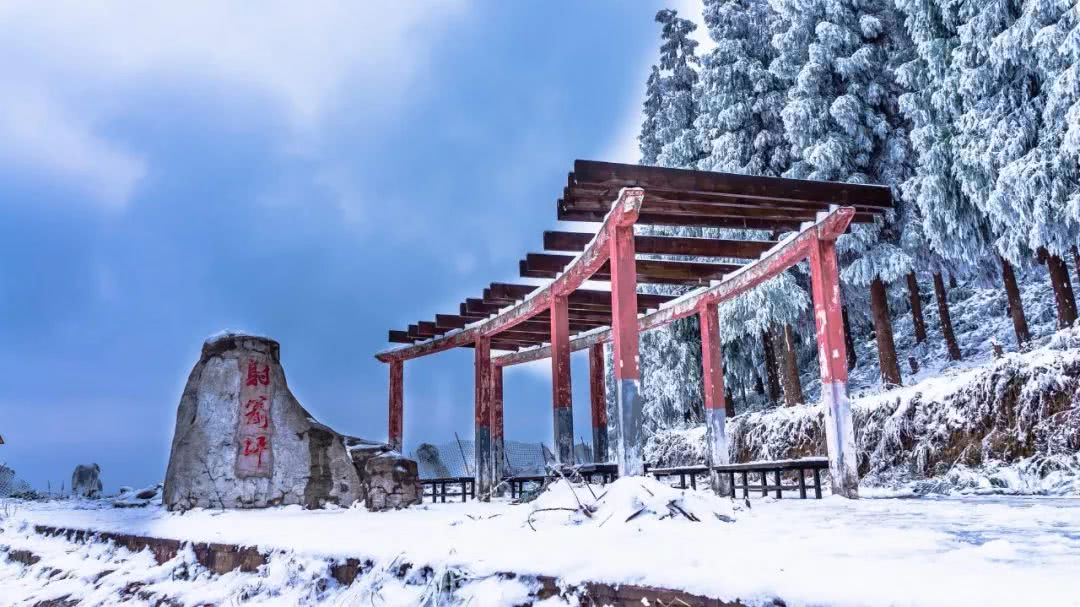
[{"x": 945, "y": 551}]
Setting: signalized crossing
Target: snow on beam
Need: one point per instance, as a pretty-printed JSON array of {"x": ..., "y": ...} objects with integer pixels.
[
  {"x": 784, "y": 255},
  {"x": 624, "y": 212}
]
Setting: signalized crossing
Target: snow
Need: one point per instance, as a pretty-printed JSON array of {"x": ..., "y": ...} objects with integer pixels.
[{"x": 940, "y": 551}]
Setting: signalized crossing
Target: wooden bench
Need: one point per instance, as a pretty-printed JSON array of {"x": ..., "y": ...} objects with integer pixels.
[
  {"x": 814, "y": 464},
  {"x": 682, "y": 472},
  {"x": 438, "y": 486}
]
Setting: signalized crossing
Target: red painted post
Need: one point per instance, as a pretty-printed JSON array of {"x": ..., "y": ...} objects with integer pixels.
[
  {"x": 560, "y": 380},
  {"x": 712, "y": 363},
  {"x": 498, "y": 459},
  {"x": 832, "y": 359},
  {"x": 598, "y": 403},
  {"x": 483, "y": 418},
  {"x": 624, "y": 329},
  {"x": 396, "y": 404}
]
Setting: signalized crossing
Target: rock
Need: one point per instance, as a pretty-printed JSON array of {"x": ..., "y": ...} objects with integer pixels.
[
  {"x": 131, "y": 498},
  {"x": 86, "y": 481},
  {"x": 243, "y": 441},
  {"x": 391, "y": 481}
]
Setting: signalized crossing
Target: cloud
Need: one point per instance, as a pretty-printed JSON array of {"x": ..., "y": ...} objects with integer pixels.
[{"x": 65, "y": 67}]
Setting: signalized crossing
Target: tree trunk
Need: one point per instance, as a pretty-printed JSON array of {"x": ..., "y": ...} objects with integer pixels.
[
  {"x": 729, "y": 403},
  {"x": 952, "y": 280},
  {"x": 792, "y": 388},
  {"x": 771, "y": 367},
  {"x": 849, "y": 342},
  {"x": 879, "y": 306},
  {"x": 946, "y": 319},
  {"x": 1063, "y": 292},
  {"x": 916, "y": 308},
  {"x": 1016, "y": 305}
]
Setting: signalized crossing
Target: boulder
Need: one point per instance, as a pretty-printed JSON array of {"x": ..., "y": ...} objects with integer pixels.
[
  {"x": 391, "y": 481},
  {"x": 86, "y": 481},
  {"x": 242, "y": 440}
]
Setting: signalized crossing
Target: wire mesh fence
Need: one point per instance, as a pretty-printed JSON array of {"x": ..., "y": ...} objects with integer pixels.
[
  {"x": 458, "y": 458},
  {"x": 10, "y": 484}
]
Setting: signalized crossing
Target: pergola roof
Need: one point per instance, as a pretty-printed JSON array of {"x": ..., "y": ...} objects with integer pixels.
[{"x": 664, "y": 197}]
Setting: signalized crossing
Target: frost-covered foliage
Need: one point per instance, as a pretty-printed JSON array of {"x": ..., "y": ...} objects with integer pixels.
[
  {"x": 1011, "y": 425},
  {"x": 678, "y": 109},
  {"x": 739, "y": 127},
  {"x": 1008, "y": 57}
]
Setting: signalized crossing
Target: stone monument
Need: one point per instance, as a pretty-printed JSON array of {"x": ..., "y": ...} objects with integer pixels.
[{"x": 243, "y": 441}]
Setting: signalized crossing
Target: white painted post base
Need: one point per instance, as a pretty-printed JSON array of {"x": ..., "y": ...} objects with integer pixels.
[{"x": 840, "y": 438}]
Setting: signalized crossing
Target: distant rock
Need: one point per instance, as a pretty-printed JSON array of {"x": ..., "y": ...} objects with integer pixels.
[
  {"x": 137, "y": 498},
  {"x": 86, "y": 481},
  {"x": 242, "y": 440}
]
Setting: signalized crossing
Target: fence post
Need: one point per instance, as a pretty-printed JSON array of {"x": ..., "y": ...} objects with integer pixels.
[
  {"x": 396, "y": 404},
  {"x": 712, "y": 362},
  {"x": 832, "y": 359},
  {"x": 482, "y": 487}
]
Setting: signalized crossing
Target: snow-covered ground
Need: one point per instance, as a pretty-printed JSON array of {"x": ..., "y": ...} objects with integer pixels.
[{"x": 990, "y": 550}]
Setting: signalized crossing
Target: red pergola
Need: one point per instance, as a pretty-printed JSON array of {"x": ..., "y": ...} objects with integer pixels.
[{"x": 550, "y": 321}]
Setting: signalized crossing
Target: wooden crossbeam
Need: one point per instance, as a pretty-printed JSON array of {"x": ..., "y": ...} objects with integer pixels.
[
  {"x": 516, "y": 292},
  {"x": 589, "y": 195},
  {"x": 662, "y": 219},
  {"x": 546, "y": 265},
  {"x": 617, "y": 175},
  {"x": 667, "y": 245}
]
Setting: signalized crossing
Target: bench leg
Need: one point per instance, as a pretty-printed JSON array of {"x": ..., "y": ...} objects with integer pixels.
[
  {"x": 764, "y": 484},
  {"x": 731, "y": 479},
  {"x": 802, "y": 483},
  {"x": 817, "y": 483},
  {"x": 779, "y": 493},
  {"x": 745, "y": 484},
  {"x": 693, "y": 481}
]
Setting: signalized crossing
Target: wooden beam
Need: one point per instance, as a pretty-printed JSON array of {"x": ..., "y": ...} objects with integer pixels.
[
  {"x": 707, "y": 202},
  {"x": 400, "y": 337},
  {"x": 666, "y": 245},
  {"x": 659, "y": 219},
  {"x": 618, "y": 175},
  {"x": 560, "y": 381},
  {"x": 584, "y": 296},
  {"x": 648, "y": 270},
  {"x": 624, "y": 212},
  {"x": 785, "y": 255}
]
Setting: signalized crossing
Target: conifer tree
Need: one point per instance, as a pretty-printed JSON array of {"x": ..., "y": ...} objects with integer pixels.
[{"x": 843, "y": 122}]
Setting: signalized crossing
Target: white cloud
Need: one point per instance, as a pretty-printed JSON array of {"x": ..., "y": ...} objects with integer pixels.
[{"x": 65, "y": 66}]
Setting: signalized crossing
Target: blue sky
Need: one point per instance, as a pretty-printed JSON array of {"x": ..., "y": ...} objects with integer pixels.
[{"x": 319, "y": 173}]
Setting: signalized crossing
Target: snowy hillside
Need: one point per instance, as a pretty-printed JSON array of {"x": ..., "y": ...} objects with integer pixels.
[{"x": 979, "y": 425}]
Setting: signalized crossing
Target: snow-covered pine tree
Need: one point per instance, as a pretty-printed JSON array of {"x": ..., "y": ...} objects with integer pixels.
[
  {"x": 671, "y": 356},
  {"x": 740, "y": 130},
  {"x": 951, "y": 225},
  {"x": 678, "y": 108},
  {"x": 648, "y": 139},
  {"x": 1002, "y": 163},
  {"x": 843, "y": 122}
]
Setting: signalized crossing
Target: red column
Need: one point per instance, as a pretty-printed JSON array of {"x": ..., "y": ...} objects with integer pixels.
[
  {"x": 498, "y": 459},
  {"x": 396, "y": 404},
  {"x": 832, "y": 359},
  {"x": 598, "y": 403},
  {"x": 483, "y": 418},
  {"x": 628, "y": 403},
  {"x": 712, "y": 363},
  {"x": 560, "y": 380}
]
